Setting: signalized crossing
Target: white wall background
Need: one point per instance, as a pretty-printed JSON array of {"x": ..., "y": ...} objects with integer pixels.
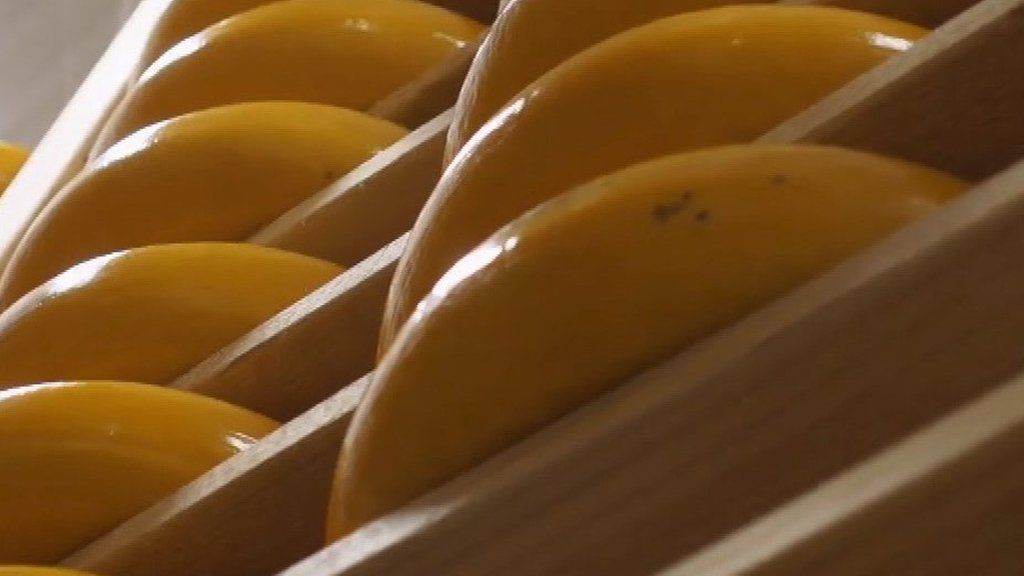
[{"x": 46, "y": 49}]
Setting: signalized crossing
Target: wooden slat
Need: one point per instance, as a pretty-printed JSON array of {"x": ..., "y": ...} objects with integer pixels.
[
  {"x": 261, "y": 371},
  {"x": 949, "y": 500},
  {"x": 957, "y": 107},
  {"x": 63, "y": 150},
  {"x": 797, "y": 342},
  {"x": 236, "y": 520}
]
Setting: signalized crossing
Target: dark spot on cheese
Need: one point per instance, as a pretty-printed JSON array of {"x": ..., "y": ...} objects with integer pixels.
[
  {"x": 331, "y": 175},
  {"x": 779, "y": 179},
  {"x": 703, "y": 216},
  {"x": 663, "y": 212}
]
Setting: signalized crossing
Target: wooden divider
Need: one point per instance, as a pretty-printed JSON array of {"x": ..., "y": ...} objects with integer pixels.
[
  {"x": 954, "y": 106},
  {"x": 949, "y": 500},
  {"x": 820, "y": 340}
]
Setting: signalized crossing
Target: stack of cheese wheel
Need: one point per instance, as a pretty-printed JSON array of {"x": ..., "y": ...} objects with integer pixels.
[
  {"x": 136, "y": 270},
  {"x": 603, "y": 208}
]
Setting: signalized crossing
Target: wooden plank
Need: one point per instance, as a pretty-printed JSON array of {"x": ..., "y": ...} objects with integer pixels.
[
  {"x": 948, "y": 500},
  {"x": 929, "y": 104},
  {"x": 63, "y": 150},
  {"x": 235, "y": 520},
  {"x": 333, "y": 332},
  {"x": 768, "y": 343}
]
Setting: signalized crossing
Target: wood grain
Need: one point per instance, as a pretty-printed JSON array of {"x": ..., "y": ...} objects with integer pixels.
[
  {"x": 948, "y": 500},
  {"x": 952, "y": 106}
]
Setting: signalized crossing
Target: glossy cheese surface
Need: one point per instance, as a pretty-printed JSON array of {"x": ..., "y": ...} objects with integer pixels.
[
  {"x": 183, "y": 18},
  {"x": 531, "y": 37},
  {"x": 699, "y": 79},
  {"x": 149, "y": 314},
  {"x": 77, "y": 459},
  {"x": 216, "y": 175},
  {"x": 599, "y": 284},
  {"x": 348, "y": 53}
]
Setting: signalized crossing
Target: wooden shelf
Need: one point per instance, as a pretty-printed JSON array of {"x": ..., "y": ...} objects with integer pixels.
[
  {"x": 959, "y": 481},
  {"x": 863, "y": 400}
]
